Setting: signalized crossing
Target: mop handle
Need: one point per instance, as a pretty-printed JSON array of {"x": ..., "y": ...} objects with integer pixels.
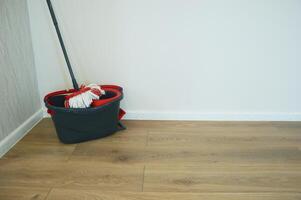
[{"x": 53, "y": 17}]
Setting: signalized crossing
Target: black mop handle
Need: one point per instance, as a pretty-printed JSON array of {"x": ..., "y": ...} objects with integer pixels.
[{"x": 75, "y": 85}]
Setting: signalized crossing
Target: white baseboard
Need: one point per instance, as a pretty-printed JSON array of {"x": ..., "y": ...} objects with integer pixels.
[
  {"x": 45, "y": 113},
  {"x": 185, "y": 116},
  {"x": 8, "y": 142},
  {"x": 145, "y": 115}
]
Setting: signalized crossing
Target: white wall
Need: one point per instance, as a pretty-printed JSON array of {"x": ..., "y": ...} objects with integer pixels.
[
  {"x": 179, "y": 59},
  {"x": 19, "y": 94}
]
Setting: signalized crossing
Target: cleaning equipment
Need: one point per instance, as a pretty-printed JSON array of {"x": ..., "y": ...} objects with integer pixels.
[
  {"x": 84, "y": 97},
  {"x": 84, "y": 113}
]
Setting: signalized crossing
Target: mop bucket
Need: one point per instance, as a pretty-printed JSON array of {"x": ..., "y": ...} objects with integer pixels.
[{"x": 74, "y": 125}]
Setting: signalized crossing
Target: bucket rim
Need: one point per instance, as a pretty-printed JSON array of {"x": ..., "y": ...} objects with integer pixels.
[{"x": 119, "y": 97}]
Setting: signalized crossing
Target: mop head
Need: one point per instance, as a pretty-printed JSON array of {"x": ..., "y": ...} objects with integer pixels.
[{"x": 84, "y": 97}]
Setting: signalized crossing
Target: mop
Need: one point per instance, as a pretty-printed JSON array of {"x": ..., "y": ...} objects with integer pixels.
[{"x": 84, "y": 96}]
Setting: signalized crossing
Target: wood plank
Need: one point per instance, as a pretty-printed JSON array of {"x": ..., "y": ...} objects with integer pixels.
[
  {"x": 42, "y": 135},
  {"x": 188, "y": 126},
  {"x": 73, "y": 174},
  {"x": 178, "y": 138},
  {"x": 62, "y": 194},
  {"x": 128, "y": 137},
  {"x": 294, "y": 124},
  {"x": 230, "y": 178},
  {"x": 133, "y": 154},
  {"x": 35, "y": 151},
  {"x": 96, "y": 175},
  {"x": 17, "y": 193},
  {"x": 229, "y": 167},
  {"x": 288, "y": 127},
  {"x": 31, "y": 173},
  {"x": 45, "y": 133},
  {"x": 289, "y": 130}
]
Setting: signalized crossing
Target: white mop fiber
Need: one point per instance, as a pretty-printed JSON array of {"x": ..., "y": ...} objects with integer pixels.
[{"x": 84, "y": 97}]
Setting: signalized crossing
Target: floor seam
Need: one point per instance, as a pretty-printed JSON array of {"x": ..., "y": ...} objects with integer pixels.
[
  {"x": 147, "y": 137},
  {"x": 46, "y": 197},
  {"x": 71, "y": 154},
  {"x": 142, "y": 188}
]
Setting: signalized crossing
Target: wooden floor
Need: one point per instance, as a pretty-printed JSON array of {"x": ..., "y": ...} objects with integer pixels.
[{"x": 154, "y": 160}]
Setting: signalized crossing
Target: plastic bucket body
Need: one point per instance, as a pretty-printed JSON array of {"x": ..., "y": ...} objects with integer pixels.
[{"x": 74, "y": 125}]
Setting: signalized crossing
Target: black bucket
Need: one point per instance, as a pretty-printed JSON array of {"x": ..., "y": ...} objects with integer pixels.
[{"x": 74, "y": 125}]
